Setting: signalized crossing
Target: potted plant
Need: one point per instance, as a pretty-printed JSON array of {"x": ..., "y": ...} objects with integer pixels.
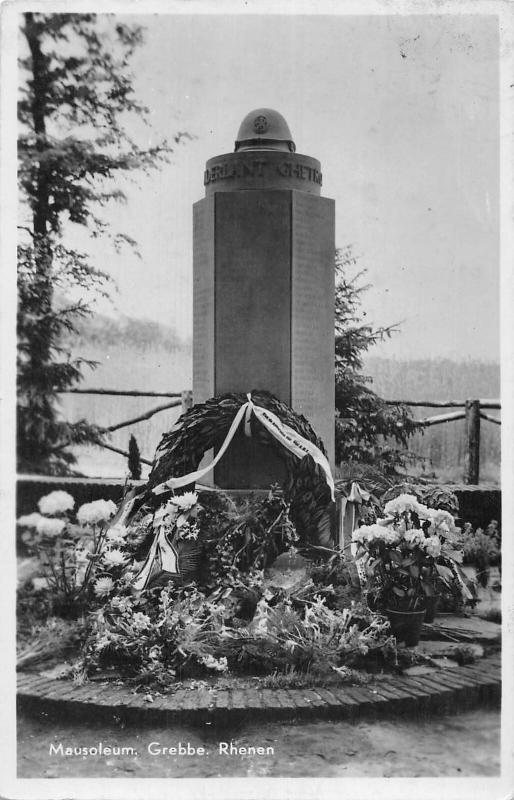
[{"x": 404, "y": 557}]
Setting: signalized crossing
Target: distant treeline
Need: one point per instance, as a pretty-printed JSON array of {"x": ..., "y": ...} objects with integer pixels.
[
  {"x": 443, "y": 379},
  {"x": 129, "y": 332}
]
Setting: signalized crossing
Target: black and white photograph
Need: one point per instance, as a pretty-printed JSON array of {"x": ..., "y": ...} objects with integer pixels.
[{"x": 256, "y": 392}]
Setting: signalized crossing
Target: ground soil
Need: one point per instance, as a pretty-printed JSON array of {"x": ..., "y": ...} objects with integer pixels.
[{"x": 458, "y": 745}]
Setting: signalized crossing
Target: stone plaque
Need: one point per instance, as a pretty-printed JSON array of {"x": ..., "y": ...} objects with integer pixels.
[{"x": 252, "y": 330}]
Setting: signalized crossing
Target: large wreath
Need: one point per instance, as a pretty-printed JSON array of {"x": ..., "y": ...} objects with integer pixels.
[{"x": 205, "y": 426}]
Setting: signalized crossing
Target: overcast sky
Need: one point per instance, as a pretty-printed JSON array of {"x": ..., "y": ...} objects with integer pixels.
[{"x": 402, "y": 112}]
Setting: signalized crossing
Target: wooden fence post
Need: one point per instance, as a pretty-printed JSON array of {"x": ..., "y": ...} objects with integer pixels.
[
  {"x": 472, "y": 460},
  {"x": 187, "y": 400}
]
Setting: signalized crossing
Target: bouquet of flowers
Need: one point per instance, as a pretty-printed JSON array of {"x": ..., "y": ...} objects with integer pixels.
[
  {"x": 77, "y": 556},
  {"x": 407, "y": 554}
]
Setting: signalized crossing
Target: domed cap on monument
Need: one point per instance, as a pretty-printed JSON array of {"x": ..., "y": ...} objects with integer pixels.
[{"x": 264, "y": 129}]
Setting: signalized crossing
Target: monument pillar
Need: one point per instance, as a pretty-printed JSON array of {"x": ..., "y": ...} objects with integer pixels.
[{"x": 263, "y": 289}]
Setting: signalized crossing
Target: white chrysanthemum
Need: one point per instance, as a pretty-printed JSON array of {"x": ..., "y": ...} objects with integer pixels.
[
  {"x": 121, "y": 604},
  {"x": 114, "y": 558},
  {"x": 116, "y": 534},
  {"x": 441, "y": 522},
  {"x": 50, "y": 526},
  {"x": 95, "y": 512},
  {"x": 361, "y": 534},
  {"x": 140, "y": 621},
  {"x": 29, "y": 520},
  {"x": 414, "y": 537},
  {"x": 375, "y": 532},
  {"x": 103, "y": 587},
  {"x": 432, "y": 546},
  {"x": 56, "y": 503},
  {"x": 406, "y": 502},
  {"x": 218, "y": 664},
  {"x": 185, "y": 501}
]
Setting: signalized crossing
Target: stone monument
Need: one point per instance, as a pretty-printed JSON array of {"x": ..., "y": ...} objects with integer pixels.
[{"x": 263, "y": 296}]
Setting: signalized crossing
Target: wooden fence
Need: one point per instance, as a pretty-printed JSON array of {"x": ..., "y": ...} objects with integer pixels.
[{"x": 473, "y": 411}]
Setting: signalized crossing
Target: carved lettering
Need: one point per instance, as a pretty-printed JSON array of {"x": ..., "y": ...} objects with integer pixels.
[{"x": 225, "y": 170}]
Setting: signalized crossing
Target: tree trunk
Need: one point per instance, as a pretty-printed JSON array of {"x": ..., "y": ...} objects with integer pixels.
[{"x": 42, "y": 246}]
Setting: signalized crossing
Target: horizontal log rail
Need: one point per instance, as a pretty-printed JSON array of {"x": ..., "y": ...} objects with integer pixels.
[
  {"x": 486, "y": 403},
  {"x": 442, "y": 418},
  {"x": 489, "y": 418},
  {"x": 121, "y": 392},
  {"x": 472, "y": 413},
  {"x": 142, "y": 417}
]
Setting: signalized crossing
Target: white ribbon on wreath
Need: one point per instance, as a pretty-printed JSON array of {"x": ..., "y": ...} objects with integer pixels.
[
  {"x": 162, "y": 552},
  {"x": 284, "y": 434}
]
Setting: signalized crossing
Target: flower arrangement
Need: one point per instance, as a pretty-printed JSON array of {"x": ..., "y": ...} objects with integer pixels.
[
  {"x": 75, "y": 558},
  {"x": 407, "y": 554},
  {"x": 178, "y": 632},
  {"x": 229, "y": 622}
]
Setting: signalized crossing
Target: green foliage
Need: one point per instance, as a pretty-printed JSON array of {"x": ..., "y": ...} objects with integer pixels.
[
  {"x": 76, "y": 93},
  {"x": 482, "y": 548},
  {"x": 184, "y": 632},
  {"x": 409, "y": 555},
  {"x": 365, "y": 424},
  {"x": 134, "y": 459},
  {"x": 433, "y": 496},
  {"x": 51, "y": 640},
  {"x": 241, "y": 534}
]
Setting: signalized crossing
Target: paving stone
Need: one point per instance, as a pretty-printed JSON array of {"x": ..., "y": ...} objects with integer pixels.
[
  {"x": 482, "y": 630},
  {"x": 329, "y": 698},
  {"x": 437, "y": 649},
  {"x": 313, "y": 698},
  {"x": 440, "y": 694},
  {"x": 63, "y": 690},
  {"x": 445, "y": 663},
  {"x": 423, "y": 696},
  {"x": 419, "y": 669},
  {"x": 254, "y": 699},
  {"x": 223, "y": 699},
  {"x": 491, "y": 674},
  {"x": 238, "y": 698},
  {"x": 36, "y": 685},
  {"x": 465, "y": 691},
  {"x": 368, "y": 699},
  {"x": 285, "y": 699},
  {"x": 401, "y": 699},
  {"x": 348, "y": 707}
]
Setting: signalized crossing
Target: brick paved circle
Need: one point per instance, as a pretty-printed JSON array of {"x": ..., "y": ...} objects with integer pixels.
[{"x": 444, "y": 689}]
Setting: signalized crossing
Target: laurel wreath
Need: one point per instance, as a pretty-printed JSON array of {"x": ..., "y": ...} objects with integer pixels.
[{"x": 205, "y": 426}]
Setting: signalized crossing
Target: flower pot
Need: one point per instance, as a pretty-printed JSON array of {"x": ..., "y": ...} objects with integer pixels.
[
  {"x": 406, "y": 625},
  {"x": 431, "y": 604}
]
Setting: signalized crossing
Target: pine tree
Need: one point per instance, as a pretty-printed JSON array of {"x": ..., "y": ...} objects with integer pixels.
[
  {"x": 74, "y": 100},
  {"x": 365, "y": 424},
  {"x": 134, "y": 458}
]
